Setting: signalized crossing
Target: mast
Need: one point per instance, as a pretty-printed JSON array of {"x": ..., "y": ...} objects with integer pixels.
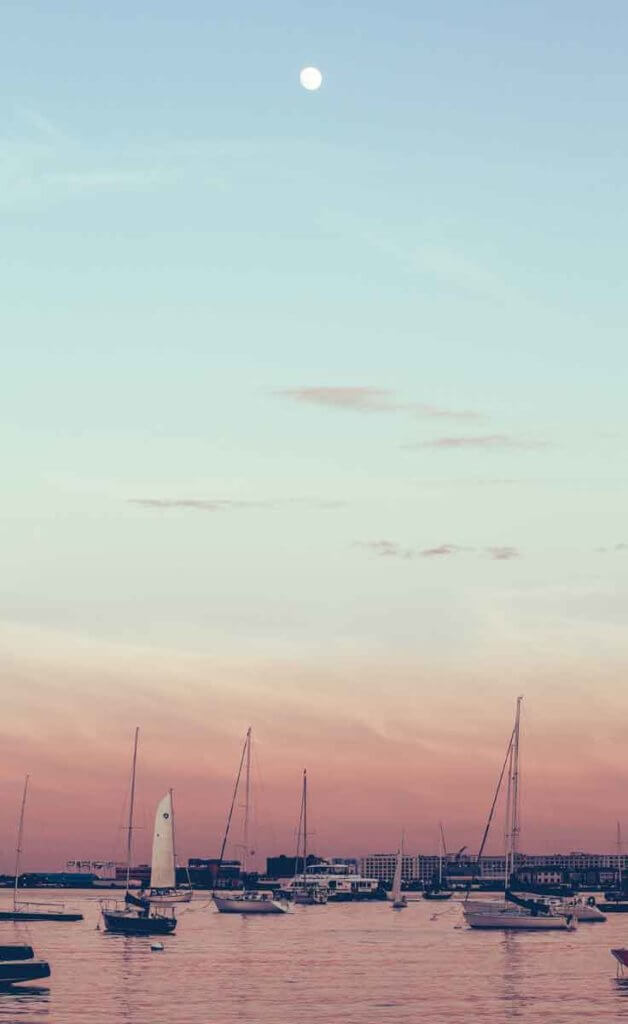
[
  {"x": 129, "y": 840},
  {"x": 516, "y": 799},
  {"x": 304, "y": 822},
  {"x": 442, "y": 853},
  {"x": 507, "y": 826},
  {"x": 619, "y": 857},
  {"x": 247, "y": 801},
  {"x": 18, "y": 848},
  {"x": 231, "y": 809}
]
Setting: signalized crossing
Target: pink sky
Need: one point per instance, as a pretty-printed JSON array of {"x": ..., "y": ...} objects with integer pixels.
[{"x": 387, "y": 746}]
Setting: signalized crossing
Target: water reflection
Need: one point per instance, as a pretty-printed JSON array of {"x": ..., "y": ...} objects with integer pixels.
[
  {"x": 512, "y": 979},
  {"x": 24, "y": 1003}
]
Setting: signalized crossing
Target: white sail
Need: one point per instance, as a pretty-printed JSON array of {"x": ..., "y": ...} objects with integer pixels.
[
  {"x": 162, "y": 874},
  {"x": 396, "y": 886}
]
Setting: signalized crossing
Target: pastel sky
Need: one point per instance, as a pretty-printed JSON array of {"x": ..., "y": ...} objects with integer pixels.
[{"x": 314, "y": 417}]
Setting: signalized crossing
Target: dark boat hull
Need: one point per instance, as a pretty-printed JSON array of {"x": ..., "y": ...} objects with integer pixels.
[
  {"x": 37, "y": 915},
  {"x": 16, "y": 953},
  {"x": 23, "y": 970},
  {"x": 124, "y": 924},
  {"x": 613, "y": 907},
  {"x": 437, "y": 895}
]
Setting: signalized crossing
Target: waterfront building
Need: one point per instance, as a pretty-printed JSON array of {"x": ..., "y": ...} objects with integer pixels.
[
  {"x": 382, "y": 867},
  {"x": 287, "y": 867},
  {"x": 210, "y": 873},
  {"x": 102, "y": 869}
]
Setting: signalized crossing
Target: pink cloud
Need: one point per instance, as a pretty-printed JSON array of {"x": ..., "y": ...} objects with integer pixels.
[{"x": 482, "y": 441}]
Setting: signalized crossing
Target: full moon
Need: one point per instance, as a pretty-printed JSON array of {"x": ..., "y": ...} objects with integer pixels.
[{"x": 310, "y": 78}]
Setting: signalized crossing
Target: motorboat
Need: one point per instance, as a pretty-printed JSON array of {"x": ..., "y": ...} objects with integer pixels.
[
  {"x": 18, "y": 964},
  {"x": 250, "y": 902}
]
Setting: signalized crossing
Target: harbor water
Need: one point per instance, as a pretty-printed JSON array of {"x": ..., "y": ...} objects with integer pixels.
[{"x": 355, "y": 963}]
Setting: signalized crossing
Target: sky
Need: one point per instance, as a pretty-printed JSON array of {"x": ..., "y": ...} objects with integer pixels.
[{"x": 313, "y": 418}]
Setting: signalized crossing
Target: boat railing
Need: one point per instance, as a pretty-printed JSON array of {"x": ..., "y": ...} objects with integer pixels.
[{"x": 44, "y": 904}]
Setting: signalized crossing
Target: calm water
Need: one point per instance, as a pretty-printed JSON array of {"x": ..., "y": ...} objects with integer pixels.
[{"x": 353, "y": 963}]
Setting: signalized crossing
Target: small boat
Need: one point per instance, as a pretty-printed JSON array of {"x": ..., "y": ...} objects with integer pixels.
[
  {"x": 399, "y": 901},
  {"x": 614, "y": 906},
  {"x": 29, "y": 911},
  {"x": 436, "y": 890},
  {"x": 515, "y": 912},
  {"x": 249, "y": 901},
  {"x": 18, "y": 964},
  {"x": 135, "y": 915}
]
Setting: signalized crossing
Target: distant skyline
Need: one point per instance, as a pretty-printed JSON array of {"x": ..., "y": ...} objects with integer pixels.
[{"x": 313, "y": 416}]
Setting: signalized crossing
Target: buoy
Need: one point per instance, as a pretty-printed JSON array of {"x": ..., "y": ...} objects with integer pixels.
[{"x": 156, "y": 946}]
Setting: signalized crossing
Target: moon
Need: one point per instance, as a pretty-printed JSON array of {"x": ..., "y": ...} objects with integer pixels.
[{"x": 311, "y": 79}]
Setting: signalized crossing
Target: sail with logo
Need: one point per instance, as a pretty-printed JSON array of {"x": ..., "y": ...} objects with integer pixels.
[{"x": 163, "y": 884}]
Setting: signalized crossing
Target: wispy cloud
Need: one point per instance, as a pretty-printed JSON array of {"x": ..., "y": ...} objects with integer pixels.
[
  {"x": 441, "y": 550},
  {"x": 233, "y": 504},
  {"x": 481, "y": 441},
  {"x": 370, "y": 399},
  {"x": 502, "y": 554},
  {"x": 391, "y": 549},
  {"x": 387, "y": 549},
  {"x": 613, "y": 547}
]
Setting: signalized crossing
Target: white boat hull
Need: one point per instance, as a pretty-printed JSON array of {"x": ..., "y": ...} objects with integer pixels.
[
  {"x": 243, "y": 905},
  {"x": 505, "y": 919},
  {"x": 170, "y": 898}
]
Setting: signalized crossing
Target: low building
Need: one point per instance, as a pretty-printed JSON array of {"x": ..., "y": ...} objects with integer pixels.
[
  {"x": 382, "y": 866},
  {"x": 287, "y": 867},
  {"x": 210, "y": 873},
  {"x": 104, "y": 869}
]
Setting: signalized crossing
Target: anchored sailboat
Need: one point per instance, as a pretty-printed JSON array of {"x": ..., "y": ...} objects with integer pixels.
[
  {"x": 250, "y": 901},
  {"x": 32, "y": 911},
  {"x": 304, "y": 890},
  {"x": 436, "y": 890},
  {"x": 163, "y": 891},
  {"x": 136, "y": 916},
  {"x": 514, "y": 912},
  {"x": 399, "y": 901}
]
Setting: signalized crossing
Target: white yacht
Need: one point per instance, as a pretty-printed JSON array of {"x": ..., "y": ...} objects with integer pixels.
[{"x": 339, "y": 882}]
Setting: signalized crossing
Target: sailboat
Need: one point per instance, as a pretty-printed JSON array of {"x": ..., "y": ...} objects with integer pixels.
[
  {"x": 162, "y": 891},
  {"x": 435, "y": 890},
  {"x": 514, "y": 911},
  {"x": 32, "y": 911},
  {"x": 304, "y": 890},
  {"x": 135, "y": 915},
  {"x": 249, "y": 901},
  {"x": 399, "y": 901}
]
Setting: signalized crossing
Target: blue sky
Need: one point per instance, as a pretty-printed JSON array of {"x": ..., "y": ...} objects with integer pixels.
[{"x": 193, "y": 246}]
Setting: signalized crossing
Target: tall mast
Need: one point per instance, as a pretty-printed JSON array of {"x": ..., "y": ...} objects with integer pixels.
[
  {"x": 516, "y": 803},
  {"x": 18, "y": 848},
  {"x": 619, "y": 856},
  {"x": 247, "y": 801},
  {"x": 508, "y": 822},
  {"x": 129, "y": 838},
  {"x": 304, "y": 821}
]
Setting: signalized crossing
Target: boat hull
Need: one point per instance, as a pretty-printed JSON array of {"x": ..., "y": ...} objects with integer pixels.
[
  {"x": 27, "y": 970},
  {"x": 37, "y": 915},
  {"x": 243, "y": 906},
  {"x": 518, "y": 922},
  {"x": 169, "y": 899},
  {"x": 613, "y": 908},
  {"x": 437, "y": 895},
  {"x": 129, "y": 924}
]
